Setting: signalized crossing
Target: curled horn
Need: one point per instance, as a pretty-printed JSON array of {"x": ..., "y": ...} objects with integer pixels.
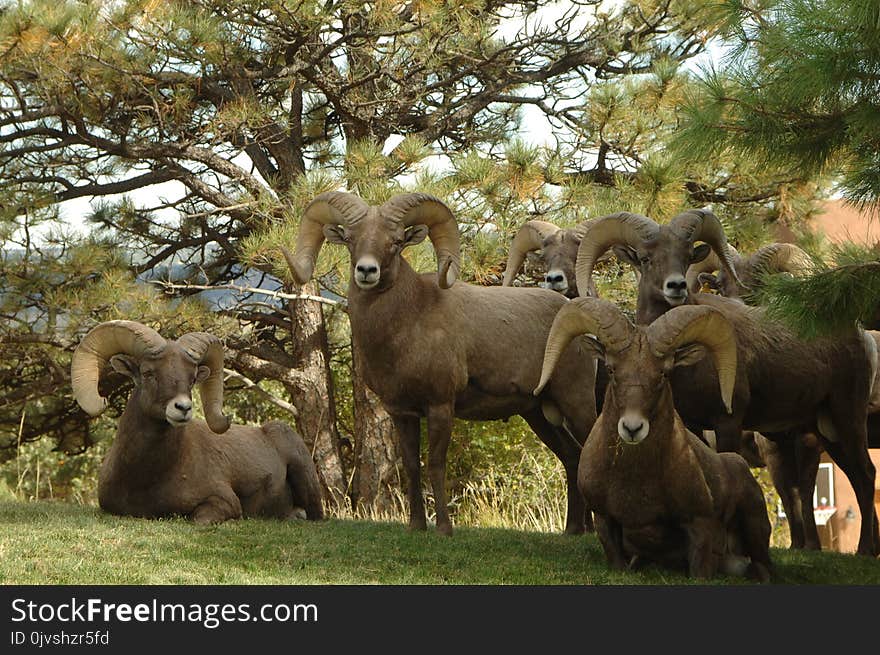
[
  {"x": 529, "y": 237},
  {"x": 704, "y": 325},
  {"x": 709, "y": 265},
  {"x": 95, "y": 350},
  {"x": 702, "y": 225},
  {"x": 621, "y": 228},
  {"x": 584, "y": 316},
  {"x": 780, "y": 258},
  {"x": 206, "y": 349},
  {"x": 423, "y": 209},
  {"x": 333, "y": 207}
]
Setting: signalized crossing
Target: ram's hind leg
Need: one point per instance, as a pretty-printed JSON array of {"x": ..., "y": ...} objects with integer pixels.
[
  {"x": 578, "y": 519},
  {"x": 409, "y": 435},
  {"x": 859, "y": 469},
  {"x": 845, "y": 438},
  {"x": 216, "y": 509}
]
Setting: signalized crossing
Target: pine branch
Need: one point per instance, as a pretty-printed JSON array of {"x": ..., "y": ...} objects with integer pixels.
[
  {"x": 826, "y": 302},
  {"x": 169, "y": 286},
  {"x": 250, "y": 384}
]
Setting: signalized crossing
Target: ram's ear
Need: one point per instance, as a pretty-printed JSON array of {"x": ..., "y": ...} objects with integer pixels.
[
  {"x": 689, "y": 354},
  {"x": 126, "y": 365},
  {"x": 700, "y": 252},
  {"x": 335, "y": 234},
  {"x": 627, "y": 254},
  {"x": 414, "y": 235},
  {"x": 202, "y": 374},
  {"x": 709, "y": 280},
  {"x": 593, "y": 346}
]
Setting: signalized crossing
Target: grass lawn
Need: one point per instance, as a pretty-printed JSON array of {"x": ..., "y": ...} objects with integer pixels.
[{"x": 60, "y": 543}]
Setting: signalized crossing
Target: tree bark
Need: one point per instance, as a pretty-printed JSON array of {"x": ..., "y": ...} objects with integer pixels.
[
  {"x": 377, "y": 453},
  {"x": 313, "y": 397}
]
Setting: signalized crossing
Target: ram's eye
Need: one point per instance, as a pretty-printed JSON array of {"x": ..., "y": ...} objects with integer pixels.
[
  {"x": 645, "y": 259},
  {"x": 148, "y": 375}
]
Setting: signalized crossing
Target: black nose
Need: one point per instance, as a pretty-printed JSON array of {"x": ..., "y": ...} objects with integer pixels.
[
  {"x": 676, "y": 285},
  {"x": 367, "y": 269},
  {"x": 553, "y": 279},
  {"x": 633, "y": 430},
  {"x": 183, "y": 406}
]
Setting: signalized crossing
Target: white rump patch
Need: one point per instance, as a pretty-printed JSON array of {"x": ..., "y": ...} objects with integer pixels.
[
  {"x": 735, "y": 565},
  {"x": 826, "y": 426},
  {"x": 552, "y": 413}
]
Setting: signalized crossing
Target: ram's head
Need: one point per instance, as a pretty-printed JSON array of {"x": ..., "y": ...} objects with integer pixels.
[{"x": 164, "y": 372}]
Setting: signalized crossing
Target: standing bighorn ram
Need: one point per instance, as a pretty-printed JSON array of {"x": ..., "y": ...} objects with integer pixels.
[
  {"x": 164, "y": 462},
  {"x": 558, "y": 247},
  {"x": 768, "y": 259},
  {"x": 785, "y": 385},
  {"x": 438, "y": 348},
  {"x": 657, "y": 491}
]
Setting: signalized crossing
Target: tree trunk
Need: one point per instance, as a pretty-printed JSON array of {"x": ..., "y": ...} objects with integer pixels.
[
  {"x": 377, "y": 454},
  {"x": 313, "y": 398}
]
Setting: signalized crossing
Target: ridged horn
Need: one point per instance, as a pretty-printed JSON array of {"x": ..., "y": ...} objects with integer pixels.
[
  {"x": 95, "y": 350},
  {"x": 709, "y": 265},
  {"x": 205, "y": 348},
  {"x": 704, "y": 325},
  {"x": 621, "y": 228},
  {"x": 703, "y": 225},
  {"x": 424, "y": 209},
  {"x": 530, "y": 237},
  {"x": 330, "y": 208},
  {"x": 595, "y": 316},
  {"x": 780, "y": 258}
]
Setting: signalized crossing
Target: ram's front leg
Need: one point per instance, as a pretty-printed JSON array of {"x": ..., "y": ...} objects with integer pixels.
[
  {"x": 705, "y": 543},
  {"x": 611, "y": 537},
  {"x": 409, "y": 434},
  {"x": 439, "y": 433},
  {"x": 216, "y": 509}
]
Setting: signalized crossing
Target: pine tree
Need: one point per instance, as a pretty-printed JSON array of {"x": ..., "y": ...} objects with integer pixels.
[
  {"x": 248, "y": 109},
  {"x": 801, "y": 91}
]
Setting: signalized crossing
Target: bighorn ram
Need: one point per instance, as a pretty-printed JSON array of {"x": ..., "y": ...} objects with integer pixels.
[
  {"x": 793, "y": 462},
  {"x": 437, "y": 348},
  {"x": 558, "y": 248},
  {"x": 164, "y": 462},
  {"x": 785, "y": 385},
  {"x": 657, "y": 491},
  {"x": 772, "y": 258}
]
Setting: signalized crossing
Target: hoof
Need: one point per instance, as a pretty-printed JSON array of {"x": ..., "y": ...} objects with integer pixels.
[{"x": 445, "y": 529}]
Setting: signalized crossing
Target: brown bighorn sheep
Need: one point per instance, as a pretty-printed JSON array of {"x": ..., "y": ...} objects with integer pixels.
[
  {"x": 768, "y": 259},
  {"x": 793, "y": 462},
  {"x": 558, "y": 248},
  {"x": 164, "y": 462},
  {"x": 656, "y": 490},
  {"x": 437, "y": 348},
  {"x": 785, "y": 385}
]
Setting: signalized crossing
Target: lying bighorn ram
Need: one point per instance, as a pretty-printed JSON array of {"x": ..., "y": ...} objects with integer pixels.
[
  {"x": 785, "y": 385},
  {"x": 657, "y": 491},
  {"x": 437, "y": 348},
  {"x": 164, "y": 462}
]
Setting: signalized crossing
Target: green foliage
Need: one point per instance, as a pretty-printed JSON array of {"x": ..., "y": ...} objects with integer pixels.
[{"x": 798, "y": 92}]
